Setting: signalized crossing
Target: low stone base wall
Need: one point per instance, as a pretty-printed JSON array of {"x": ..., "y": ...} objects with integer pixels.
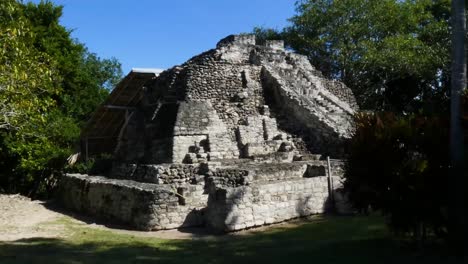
[
  {"x": 225, "y": 198},
  {"x": 143, "y": 206},
  {"x": 231, "y": 209}
]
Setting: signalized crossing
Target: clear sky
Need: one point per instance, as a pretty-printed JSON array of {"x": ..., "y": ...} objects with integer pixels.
[{"x": 164, "y": 33}]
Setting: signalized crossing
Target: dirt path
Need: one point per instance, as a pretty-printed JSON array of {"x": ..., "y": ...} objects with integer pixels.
[{"x": 21, "y": 218}]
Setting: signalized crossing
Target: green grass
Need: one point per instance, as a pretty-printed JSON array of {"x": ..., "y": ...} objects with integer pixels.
[{"x": 321, "y": 240}]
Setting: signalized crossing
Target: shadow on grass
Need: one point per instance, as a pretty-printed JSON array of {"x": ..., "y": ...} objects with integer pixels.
[
  {"x": 326, "y": 240},
  {"x": 195, "y": 232},
  {"x": 55, "y": 206}
]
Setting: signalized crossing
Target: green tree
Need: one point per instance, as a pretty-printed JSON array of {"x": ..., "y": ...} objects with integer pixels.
[
  {"x": 458, "y": 208},
  {"x": 49, "y": 85},
  {"x": 26, "y": 74},
  {"x": 86, "y": 78},
  {"x": 27, "y": 91},
  {"x": 393, "y": 54}
]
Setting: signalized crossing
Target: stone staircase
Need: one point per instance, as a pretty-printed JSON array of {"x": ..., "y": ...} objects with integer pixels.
[
  {"x": 270, "y": 176},
  {"x": 309, "y": 92},
  {"x": 302, "y": 83},
  {"x": 327, "y": 104}
]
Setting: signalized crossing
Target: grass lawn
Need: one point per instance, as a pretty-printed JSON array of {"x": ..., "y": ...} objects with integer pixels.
[{"x": 321, "y": 240}]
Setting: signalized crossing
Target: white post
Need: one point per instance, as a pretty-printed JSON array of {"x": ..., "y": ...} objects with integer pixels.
[{"x": 330, "y": 183}]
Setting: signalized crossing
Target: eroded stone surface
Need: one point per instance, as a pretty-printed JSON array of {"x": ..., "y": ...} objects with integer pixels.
[{"x": 229, "y": 139}]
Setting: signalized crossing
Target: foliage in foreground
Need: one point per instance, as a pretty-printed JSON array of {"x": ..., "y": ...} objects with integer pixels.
[
  {"x": 327, "y": 239},
  {"x": 49, "y": 85},
  {"x": 399, "y": 165}
]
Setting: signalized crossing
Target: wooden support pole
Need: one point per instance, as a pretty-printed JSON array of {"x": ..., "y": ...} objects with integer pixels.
[
  {"x": 330, "y": 184},
  {"x": 128, "y": 116},
  {"x": 119, "y": 107}
]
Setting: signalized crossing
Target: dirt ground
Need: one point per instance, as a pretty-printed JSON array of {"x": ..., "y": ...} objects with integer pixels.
[{"x": 22, "y": 218}]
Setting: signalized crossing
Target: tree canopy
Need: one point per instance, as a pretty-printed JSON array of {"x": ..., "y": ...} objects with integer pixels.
[
  {"x": 393, "y": 54},
  {"x": 49, "y": 85}
]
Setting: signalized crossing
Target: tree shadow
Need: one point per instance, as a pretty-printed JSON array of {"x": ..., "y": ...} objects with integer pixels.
[
  {"x": 221, "y": 208},
  {"x": 196, "y": 232},
  {"x": 328, "y": 240},
  {"x": 88, "y": 219}
]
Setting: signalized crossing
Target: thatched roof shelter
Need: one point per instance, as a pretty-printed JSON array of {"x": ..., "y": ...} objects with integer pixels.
[{"x": 101, "y": 133}]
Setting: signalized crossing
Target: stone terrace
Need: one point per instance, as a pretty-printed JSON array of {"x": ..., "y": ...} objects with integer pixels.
[{"x": 234, "y": 138}]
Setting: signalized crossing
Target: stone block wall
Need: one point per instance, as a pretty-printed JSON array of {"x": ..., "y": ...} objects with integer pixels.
[
  {"x": 271, "y": 172},
  {"x": 256, "y": 138},
  {"x": 258, "y": 194},
  {"x": 245, "y": 39},
  {"x": 200, "y": 138},
  {"x": 160, "y": 174},
  {"x": 183, "y": 144},
  {"x": 144, "y": 206},
  {"x": 198, "y": 124},
  {"x": 233, "y": 89},
  {"x": 251, "y": 133},
  {"x": 225, "y": 198},
  {"x": 231, "y": 209},
  {"x": 275, "y": 44},
  {"x": 270, "y": 127},
  {"x": 222, "y": 146},
  {"x": 194, "y": 118}
]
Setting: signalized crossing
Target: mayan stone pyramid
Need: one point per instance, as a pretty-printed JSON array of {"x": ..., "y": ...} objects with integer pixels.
[{"x": 235, "y": 137}]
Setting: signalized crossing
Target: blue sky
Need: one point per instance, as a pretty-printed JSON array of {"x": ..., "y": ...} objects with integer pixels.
[{"x": 164, "y": 33}]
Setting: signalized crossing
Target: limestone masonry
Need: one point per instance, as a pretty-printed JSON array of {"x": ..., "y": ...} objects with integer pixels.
[{"x": 234, "y": 138}]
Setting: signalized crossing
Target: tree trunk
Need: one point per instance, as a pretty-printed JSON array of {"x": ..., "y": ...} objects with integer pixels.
[{"x": 457, "y": 214}]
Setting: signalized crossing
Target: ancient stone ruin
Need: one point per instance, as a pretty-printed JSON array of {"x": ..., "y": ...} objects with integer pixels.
[{"x": 234, "y": 138}]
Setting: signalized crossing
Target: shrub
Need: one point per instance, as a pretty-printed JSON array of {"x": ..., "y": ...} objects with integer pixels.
[
  {"x": 400, "y": 166},
  {"x": 97, "y": 165}
]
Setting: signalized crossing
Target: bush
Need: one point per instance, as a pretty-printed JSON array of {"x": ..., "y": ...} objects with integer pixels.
[
  {"x": 97, "y": 165},
  {"x": 400, "y": 166}
]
